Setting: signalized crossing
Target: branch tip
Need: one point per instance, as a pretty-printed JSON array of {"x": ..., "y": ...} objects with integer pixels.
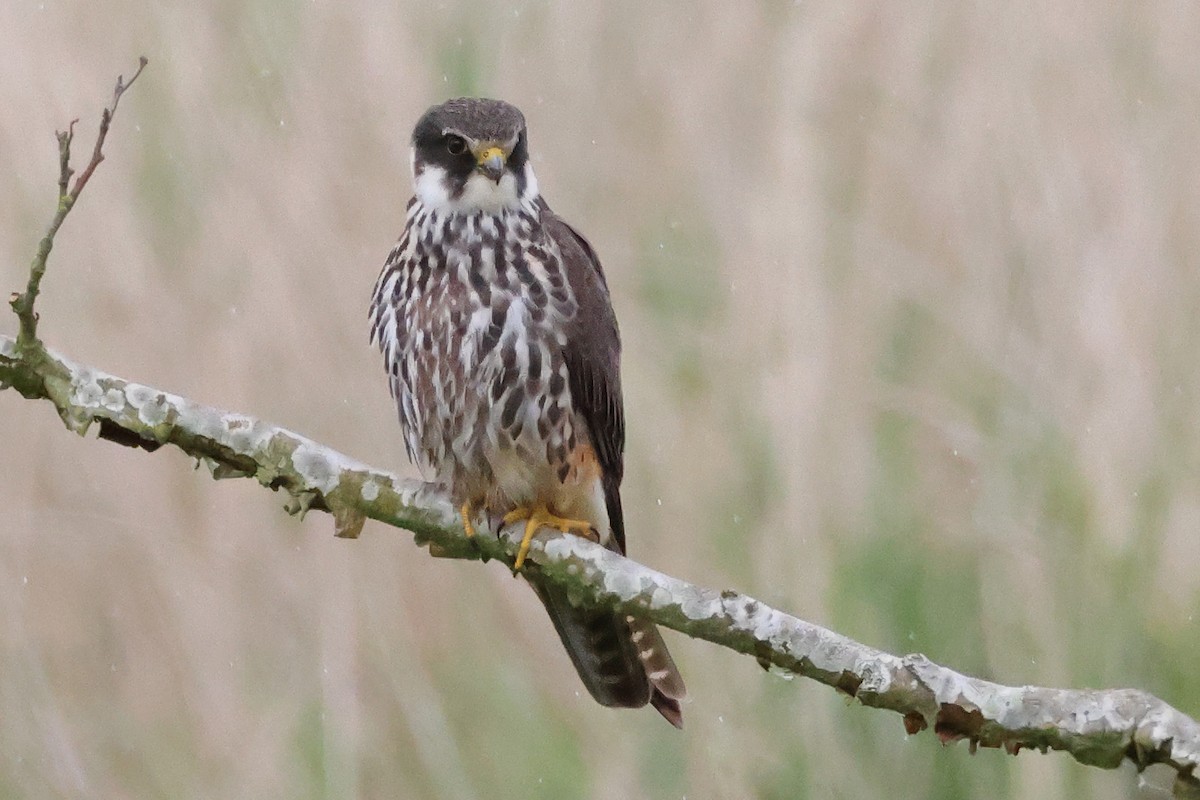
[{"x": 22, "y": 303}]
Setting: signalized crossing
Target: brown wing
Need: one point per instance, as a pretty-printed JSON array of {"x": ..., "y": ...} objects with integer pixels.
[
  {"x": 622, "y": 661},
  {"x": 593, "y": 357}
]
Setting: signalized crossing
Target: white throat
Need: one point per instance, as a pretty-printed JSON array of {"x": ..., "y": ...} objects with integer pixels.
[{"x": 480, "y": 193}]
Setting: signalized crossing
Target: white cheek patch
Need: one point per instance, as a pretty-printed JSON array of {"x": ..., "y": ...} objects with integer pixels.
[
  {"x": 531, "y": 186},
  {"x": 430, "y": 188}
]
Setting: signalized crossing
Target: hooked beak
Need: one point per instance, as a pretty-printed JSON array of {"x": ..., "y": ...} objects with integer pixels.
[{"x": 491, "y": 163}]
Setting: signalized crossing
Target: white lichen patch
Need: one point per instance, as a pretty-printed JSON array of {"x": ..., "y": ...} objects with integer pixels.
[
  {"x": 622, "y": 583},
  {"x": 243, "y": 434},
  {"x": 86, "y": 391},
  {"x": 410, "y": 492},
  {"x": 876, "y": 676},
  {"x": 426, "y": 496},
  {"x": 401, "y": 486},
  {"x": 340, "y": 460},
  {"x": 113, "y": 400},
  {"x": 370, "y": 490},
  {"x": 695, "y": 606},
  {"x": 660, "y": 598},
  {"x": 766, "y": 622},
  {"x": 315, "y": 467},
  {"x": 1007, "y": 708},
  {"x": 565, "y": 547},
  {"x": 151, "y": 405},
  {"x": 746, "y": 613}
]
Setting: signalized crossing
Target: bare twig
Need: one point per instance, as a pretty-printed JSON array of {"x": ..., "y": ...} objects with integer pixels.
[
  {"x": 23, "y": 303},
  {"x": 105, "y": 120},
  {"x": 64, "y": 158}
]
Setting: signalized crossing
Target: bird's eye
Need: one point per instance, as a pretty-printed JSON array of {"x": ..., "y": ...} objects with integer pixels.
[{"x": 456, "y": 145}]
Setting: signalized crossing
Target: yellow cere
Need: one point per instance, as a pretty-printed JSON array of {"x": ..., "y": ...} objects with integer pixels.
[{"x": 491, "y": 152}]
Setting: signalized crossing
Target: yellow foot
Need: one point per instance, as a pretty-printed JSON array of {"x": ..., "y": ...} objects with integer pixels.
[
  {"x": 539, "y": 516},
  {"x": 467, "y": 512}
]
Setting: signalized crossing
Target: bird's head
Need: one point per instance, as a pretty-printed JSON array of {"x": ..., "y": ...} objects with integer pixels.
[{"x": 471, "y": 154}]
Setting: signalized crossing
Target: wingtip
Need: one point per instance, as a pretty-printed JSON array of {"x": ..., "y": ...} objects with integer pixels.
[{"x": 669, "y": 707}]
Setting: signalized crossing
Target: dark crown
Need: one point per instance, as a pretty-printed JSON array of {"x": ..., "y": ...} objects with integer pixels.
[{"x": 475, "y": 117}]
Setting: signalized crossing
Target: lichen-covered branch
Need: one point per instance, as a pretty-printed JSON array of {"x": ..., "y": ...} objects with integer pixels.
[
  {"x": 1097, "y": 727},
  {"x": 1100, "y": 728}
]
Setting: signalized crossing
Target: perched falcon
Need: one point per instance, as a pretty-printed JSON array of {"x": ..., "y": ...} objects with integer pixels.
[{"x": 502, "y": 350}]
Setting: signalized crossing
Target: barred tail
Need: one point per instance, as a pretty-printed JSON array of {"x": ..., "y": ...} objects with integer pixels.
[
  {"x": 622, "y": 661},
  {"x": 667, "y": 689}
]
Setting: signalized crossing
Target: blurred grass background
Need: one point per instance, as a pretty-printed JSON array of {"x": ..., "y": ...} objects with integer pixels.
[{"x": 908, "y": 294}]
